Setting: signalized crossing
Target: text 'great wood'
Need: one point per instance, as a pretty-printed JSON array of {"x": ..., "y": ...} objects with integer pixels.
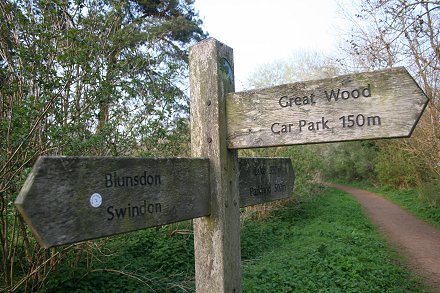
[{"x": 381, "y": 104}]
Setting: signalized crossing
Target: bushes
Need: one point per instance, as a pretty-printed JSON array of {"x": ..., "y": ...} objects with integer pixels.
[
  {"x": 152, "y": 260},
  {"x": 385, "y": 163},
  {"x": 430, "y": 193},
  {"x": 84, "y": 78},
  {"x": 349, "y": 160},
  {"x": 396, "y": 167}
]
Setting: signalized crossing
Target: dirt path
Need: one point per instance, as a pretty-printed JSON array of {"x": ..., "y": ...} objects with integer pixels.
[{"x": 417, "y": 241}]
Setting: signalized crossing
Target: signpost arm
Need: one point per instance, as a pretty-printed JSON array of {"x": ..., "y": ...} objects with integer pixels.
[{"x": 217, "y": 237}]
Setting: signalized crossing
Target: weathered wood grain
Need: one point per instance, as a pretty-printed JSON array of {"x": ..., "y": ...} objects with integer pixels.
[
  {"x": 217, "y": 237},
  {"x": 136, "y": 193},
  {"x": 264, "y": 180},
  {"x": 381, "y": 104}
]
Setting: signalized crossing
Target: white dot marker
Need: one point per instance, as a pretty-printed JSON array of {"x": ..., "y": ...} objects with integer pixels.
[{"x": 96, "y": 200}]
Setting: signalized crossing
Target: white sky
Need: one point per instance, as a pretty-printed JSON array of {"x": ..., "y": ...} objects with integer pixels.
[{"x": 261, "y": 31}]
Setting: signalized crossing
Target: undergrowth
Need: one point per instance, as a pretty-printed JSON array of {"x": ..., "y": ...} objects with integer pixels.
[
  {"x": 315, "y": 244},
  {"x": 325, "y": 244},
  {"x": 152, "y": 260}
]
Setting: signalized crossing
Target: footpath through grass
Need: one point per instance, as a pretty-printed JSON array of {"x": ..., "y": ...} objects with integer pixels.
[
  {"x": 322, "y": 244},
  {"x": 408, "y": 199},
  {"x": 325, "y": 244}
]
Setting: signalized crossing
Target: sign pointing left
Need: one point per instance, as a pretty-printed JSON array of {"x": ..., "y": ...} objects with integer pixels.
[{"x": 72, "y": 199}]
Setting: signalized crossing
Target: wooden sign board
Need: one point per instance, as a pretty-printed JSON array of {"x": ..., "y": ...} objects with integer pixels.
[
  {"x": 381, "y": 104},
  {"x": 71, "y": 199},
  {"x": 263, "y": 180}
]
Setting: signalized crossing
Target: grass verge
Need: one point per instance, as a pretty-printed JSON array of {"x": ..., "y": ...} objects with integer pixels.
[
  {"x": 325, "y": 244},
  {"x": 408, "y": 199},
  {"x": 321, "y": 244}
]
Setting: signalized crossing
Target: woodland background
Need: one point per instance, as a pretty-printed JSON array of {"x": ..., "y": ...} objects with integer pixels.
[{"x": 109, "y": 78}]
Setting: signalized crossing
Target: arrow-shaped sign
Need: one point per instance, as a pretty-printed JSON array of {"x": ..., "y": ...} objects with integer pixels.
[
  {"x": 264, "y": 180},
  {"x": 381, "y": 104},
  {"x": 72, "y": 199}
]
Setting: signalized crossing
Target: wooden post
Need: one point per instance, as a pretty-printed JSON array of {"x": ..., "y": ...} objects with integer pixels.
[{"x": 217, "y": 237}]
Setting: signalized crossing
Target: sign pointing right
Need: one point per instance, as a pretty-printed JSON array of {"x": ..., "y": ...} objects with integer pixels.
[{"x": 381, "y": 104}]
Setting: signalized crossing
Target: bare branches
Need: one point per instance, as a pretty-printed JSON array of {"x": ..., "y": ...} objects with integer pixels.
[{"x": 407, "y": 32}]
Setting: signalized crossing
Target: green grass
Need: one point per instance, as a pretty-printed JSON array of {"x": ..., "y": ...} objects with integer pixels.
[
  {"x": 322, "y": 244},
  {"x": 408, "y": 199},
  {"x": 151, "y": 260}
]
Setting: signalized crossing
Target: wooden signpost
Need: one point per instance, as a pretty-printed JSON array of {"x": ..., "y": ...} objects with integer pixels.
[
  {"x": 381, "y": 104},
  {"x": 264, "y": 180},
  {"x": 217, "y": 237},
  {"x": 72, "y": 199}
]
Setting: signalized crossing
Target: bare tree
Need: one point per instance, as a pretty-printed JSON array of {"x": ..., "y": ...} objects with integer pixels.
[
  {"x": 304, "y": 65},
  {"x": 406, "y": 33}
]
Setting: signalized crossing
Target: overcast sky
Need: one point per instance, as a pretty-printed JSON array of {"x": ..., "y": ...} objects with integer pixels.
[{"x": 262, "y": 31}]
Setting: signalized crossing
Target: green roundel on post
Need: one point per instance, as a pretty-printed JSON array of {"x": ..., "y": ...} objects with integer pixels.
[{"x": 226, "y": 71}]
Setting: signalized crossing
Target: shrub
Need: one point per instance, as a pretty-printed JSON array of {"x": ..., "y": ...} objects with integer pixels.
[
  {"x": 430, "y": 193},
  {"x": 396, "y": 167}
]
